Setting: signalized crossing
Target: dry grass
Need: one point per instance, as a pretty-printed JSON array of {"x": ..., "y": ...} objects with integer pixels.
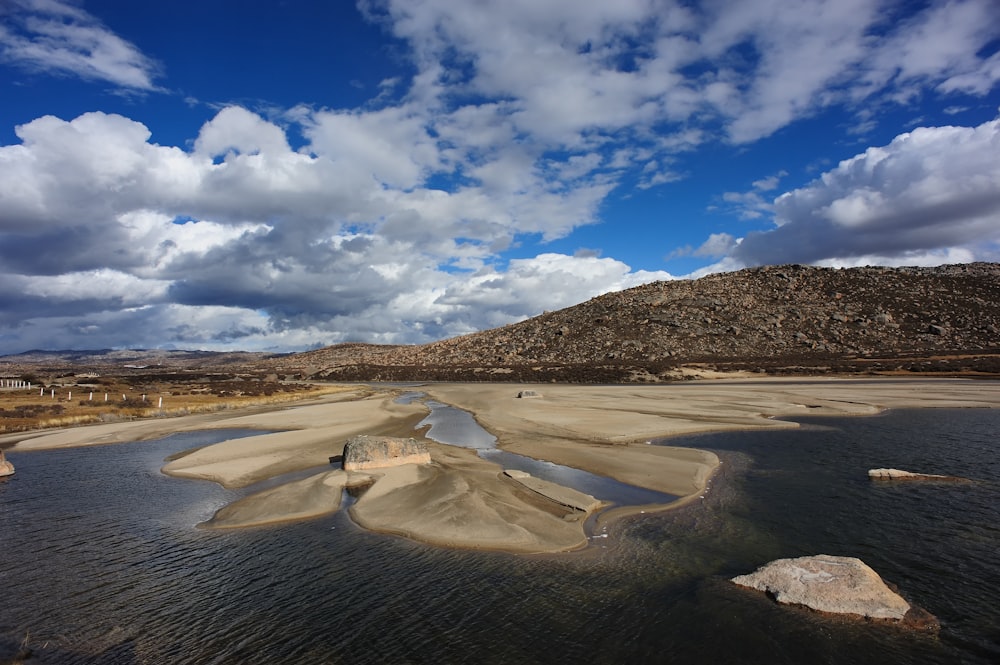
[{"x": 70, "y": 406}]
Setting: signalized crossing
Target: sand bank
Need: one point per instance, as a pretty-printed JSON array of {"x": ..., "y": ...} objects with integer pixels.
[{"x": 464, "y": 501}]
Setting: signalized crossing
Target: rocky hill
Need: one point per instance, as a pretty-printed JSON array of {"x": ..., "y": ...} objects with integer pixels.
[{"x": 781, "y": 319}]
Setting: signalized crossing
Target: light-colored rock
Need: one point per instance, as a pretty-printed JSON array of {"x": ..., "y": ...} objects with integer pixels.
[
  {"x": 376, "y": 452},
  {"x": 839, "y": 585},
  {"x": 561, "y": 494},
  {"x": 524, "y": 394},
  {"x": 515, "y": 474},
  {"x": 898, "y": 474},
  {"x": 6, "y": 468}
]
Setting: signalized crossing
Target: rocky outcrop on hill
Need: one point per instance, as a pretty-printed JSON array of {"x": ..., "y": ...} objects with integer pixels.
[
  {"x": 833, "y": 584},
  {"x": 375, "y": 452},
  {"x": 783, "y": 319}
]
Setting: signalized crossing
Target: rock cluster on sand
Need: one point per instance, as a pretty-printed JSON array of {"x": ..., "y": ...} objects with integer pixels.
[
  {"x": 375, "y": 452},
  {"x": 898, "y": 474},
  {"x": 834, "y": 584}
]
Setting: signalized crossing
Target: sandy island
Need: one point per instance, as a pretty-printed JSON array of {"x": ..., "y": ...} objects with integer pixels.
[{"x": 461, "y": 500}]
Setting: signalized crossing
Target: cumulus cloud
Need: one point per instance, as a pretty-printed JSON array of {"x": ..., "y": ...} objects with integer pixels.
[
  {"x": 930, "y": 192},
  {"x": 102, "y": 224},
  {"x": 390, "y": 222},
  {"x": 529, "y": 286},
  {"x": 59, "y": 37},
  {"x": 755, "y": 203},
  {"x": 570, "y": 73}
]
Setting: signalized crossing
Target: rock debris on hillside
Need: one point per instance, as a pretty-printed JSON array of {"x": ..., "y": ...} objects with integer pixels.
[{"x": 782, "y": 319}]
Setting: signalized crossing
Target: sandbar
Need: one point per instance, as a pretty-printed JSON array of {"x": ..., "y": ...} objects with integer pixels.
[{"x": 462, "y": 500}]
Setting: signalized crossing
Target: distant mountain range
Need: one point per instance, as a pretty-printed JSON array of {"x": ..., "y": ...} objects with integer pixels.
[
  {"x": 780, "y": 320},
  {"x": 132, "y": 358}
]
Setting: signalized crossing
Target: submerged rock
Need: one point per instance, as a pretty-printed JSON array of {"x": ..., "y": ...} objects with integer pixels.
[
  {"x": 374, "y": 452},
  {"x": 566, "y": 496},
  {"x": 898, "y": 474},
  {"x": 834, "y": 584}
]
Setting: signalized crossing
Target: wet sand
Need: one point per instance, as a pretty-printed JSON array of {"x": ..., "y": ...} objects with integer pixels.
[{"x": 461, "y": 500}]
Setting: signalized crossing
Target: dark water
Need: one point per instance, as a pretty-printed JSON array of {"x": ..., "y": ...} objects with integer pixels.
[{"x": 100, "y": 562}]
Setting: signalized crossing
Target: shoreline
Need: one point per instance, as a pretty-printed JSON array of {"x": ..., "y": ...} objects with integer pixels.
[{"x": 461, "y": 500}]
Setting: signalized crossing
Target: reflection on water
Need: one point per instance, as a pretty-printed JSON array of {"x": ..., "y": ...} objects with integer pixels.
[{"x": 100, "y": 562}]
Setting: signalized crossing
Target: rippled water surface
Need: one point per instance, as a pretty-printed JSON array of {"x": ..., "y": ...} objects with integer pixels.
[{"x": 101, "y": 562}]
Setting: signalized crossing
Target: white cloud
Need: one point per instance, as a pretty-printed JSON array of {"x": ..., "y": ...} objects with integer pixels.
[
  {"x": 754, "y": 204},
  {"x": 931, "y": 191},
  {"x": 249, "y": 242},
  {"x": 545, "y": 282},
  {"x": 235, "y": 130},
  {"x": 718, "y": 244},
  {"x": 521, "y": 119},
  {"x": 59, "y": 37},
  {"x": 941, "y": 46},
  {"x": 392, "y": 145},
  {"x": 92, "y": 285}
]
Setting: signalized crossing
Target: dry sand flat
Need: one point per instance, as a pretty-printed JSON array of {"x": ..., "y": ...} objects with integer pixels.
[{"x": 461, "y": 500}]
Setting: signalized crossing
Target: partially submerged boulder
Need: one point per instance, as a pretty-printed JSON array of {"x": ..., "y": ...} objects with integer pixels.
[
  {"x": 6, "y": 468},
  {"x": 834, "y": 584},
  {"x": 899, "y": 474},
  {"x": 375, "y": 452}
]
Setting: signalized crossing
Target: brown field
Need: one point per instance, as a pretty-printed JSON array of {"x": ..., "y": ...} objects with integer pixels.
[{"x": 70, "y": 401}]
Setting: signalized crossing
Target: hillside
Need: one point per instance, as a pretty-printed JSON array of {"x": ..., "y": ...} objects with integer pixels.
[
  {"x": 783, "y": 319},
  {"x": 777, "y": 320}
]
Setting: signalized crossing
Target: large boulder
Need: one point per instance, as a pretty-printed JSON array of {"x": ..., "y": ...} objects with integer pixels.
[
  {"x": 834, "y": 584},
  {"x": 6, "y": 468},
  {"x": 375, "y": 452}
]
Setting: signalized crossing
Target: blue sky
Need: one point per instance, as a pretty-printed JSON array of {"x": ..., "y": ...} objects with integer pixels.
[{"x": 226, "y": 174}]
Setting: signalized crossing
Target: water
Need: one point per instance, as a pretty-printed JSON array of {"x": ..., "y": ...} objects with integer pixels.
[
  {"x": 101, "y": 562},
  {"x": 453, "y": 426}
]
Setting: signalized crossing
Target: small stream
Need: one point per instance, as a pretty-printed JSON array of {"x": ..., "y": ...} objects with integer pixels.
[{"x": 453, "y": 426}]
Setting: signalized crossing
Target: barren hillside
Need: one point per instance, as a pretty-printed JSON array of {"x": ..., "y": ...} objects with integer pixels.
[
  {"x": 779, "y": 320},
  {"x": 783, "y": 319}
]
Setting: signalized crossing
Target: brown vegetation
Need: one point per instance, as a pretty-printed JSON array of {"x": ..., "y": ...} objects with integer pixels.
[{"x": 69, "y": 401}]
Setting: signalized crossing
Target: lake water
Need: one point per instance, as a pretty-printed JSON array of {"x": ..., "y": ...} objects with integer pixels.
[{"x": 101, "y": 562}]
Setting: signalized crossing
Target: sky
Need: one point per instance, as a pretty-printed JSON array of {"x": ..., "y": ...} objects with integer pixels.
[{"x": 283, "y": 175}]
